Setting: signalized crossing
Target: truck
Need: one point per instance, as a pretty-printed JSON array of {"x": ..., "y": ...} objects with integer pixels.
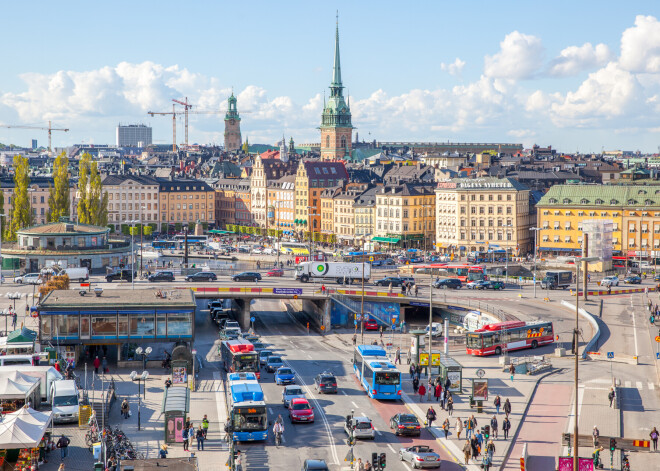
[
  {"x": 557, "y": 280},
  {"x": 76, "y": 273},
  {"x": 341, "y": 272}
]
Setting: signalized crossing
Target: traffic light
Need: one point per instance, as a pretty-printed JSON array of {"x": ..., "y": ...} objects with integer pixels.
[
  {"x": 486, "y": 431},
  {"x": 612, "y": 444},
  {"x": 381, "y": 461},
  {"x": 374, "y": 460}
]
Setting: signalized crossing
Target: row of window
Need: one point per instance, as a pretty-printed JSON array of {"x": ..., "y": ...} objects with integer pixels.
[
  {"x": 482, "y": 197},
  {"x": 487, "y": 209},
  {"x": 482, "y": 223},
  {"x": 426, "y": 213},
  {"x": 130, "y": 196},
  {"x": 482, "y": 236},
  {"x": 404, "y": 202},
  {"x": 186, "y": 216},
  {"x": 118, "y": 206}
]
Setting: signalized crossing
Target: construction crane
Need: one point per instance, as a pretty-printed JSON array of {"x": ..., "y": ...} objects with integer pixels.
[
  {"x": 186, "y": 107},
  {"x": 173, "y": 113},
  {"x": 50, "y": 129}
]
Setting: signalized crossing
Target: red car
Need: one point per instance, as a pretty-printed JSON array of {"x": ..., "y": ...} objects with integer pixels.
[
  {"x": 370, "y": 325},
  {"x": 275, "y": 272},
  {"x": 300, "y": 410}
]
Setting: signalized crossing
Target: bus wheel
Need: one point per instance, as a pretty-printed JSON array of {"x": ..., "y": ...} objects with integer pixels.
[
  {"x": 498, "y": 351},
  {"x": 534, "y": 344}
]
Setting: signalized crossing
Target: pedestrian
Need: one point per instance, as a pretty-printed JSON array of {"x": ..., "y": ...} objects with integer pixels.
[
  {"x": 415, "y": 384},
  {"x": 506, "y": 426},
  {"x": 367, "y": 466},
  {"x": 381, "y": 331},
  {"x": 443, "y": 399},
  {"x": 497, "y": 402},
  {"x": 416, "y": 290},
  {"x": 422, "y": 392},
  {"x": 472, "y": 426},
  {"x": 512, "y": 371},
  {"x": 389, "y": 290},
  {"x": 200, "y": 438},
  {"x": 447, "y": 383},
  {"x": 125, "y": 408},
  {"x": 418, "y": 371},
  {"x": 493, "y": 426},
  {"x": 412, "y": 370},
  {"x": 185, "y": 437},
  {"x": 61, "y": 467},
  {"x": 360, "y": 465},
  {"x": 408, "y": 359},
  {"x": 490, "y": 449},
  {"x": 474, "y": 444},
  {"x": 467, "y": 451},
  {"x": 486, "y": 462},
  {"x": 654, "y": 438},
  {"x": 403, "y": 288},
  {"x": 63, "y": 445},
  {"x": 445, "y": 427},
  {"x": 14, "y": 318},
  {"x": 205, "y": 426},
  {"x": 459, "y": 427},
  {"x": 354, "y": 339},
  {"x": 397, "y": 356},
  {"x": 430, "y": 416},
  {"x": 594, "y": 436},
  {"x": 610, "y": 396},
  {"x": 450, "y": 405},
  {"x": 97, "y": 364},
  {"x": 191, "y": 434},
  {"x": 162, "y": 453},
  {"x": 437, "y": 392},
  {"x": 507, "y": 407},
  {"x": 104, "y": 364}
]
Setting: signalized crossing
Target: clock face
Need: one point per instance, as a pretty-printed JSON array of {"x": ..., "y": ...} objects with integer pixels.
[{"x": 231, "y": 121}]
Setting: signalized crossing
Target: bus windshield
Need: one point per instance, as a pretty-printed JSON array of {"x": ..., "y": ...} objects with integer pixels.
[
  {"x": 247, "y": 419},
  {"x": 476, "y": 276},
  {"x": 473, "y": 340},
  {"x": 245, "y": 363},
  {"x": 388, "y": 378}
]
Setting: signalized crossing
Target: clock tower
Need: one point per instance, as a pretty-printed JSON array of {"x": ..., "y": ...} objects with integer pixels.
[
  {"x": 232, "y": 126},
  {"x": 336, "y": 127}
]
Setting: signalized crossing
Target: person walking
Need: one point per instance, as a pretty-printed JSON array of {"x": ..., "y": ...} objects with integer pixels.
[
  {"x": 184, "y": 435},
  {"x": 474, "y": 445},
  {"x": 430, "y": 416},
  {"x": 97, "y": 364},
  {"x": 459, "y": 427},
  {"x": 594, "y": 436},
  {"x": 360, "y": 465},
  {"x": 437, "y": 392},
  {"x": 354, "y": 339},
  {"x": 125, "y": 408},
  {"x": 411, "y": 370},
  {"x": 497, "y": 402},
  {"x": 162, "y": 453},
  {"x": 422, "y": 392},
  {"x": 654, "y": 438},
  {"x": 381, "y": 331},
  {"x": 467, "y": 451},
  {"x": 490, "y": 449},
  {"x": 200, "y": 438},
  {"x": 512, "y": 371},
  {"x": 507, "y": 407},
  {"x": 104, "y": 364},
  {"x": 63, "y": 445},
  {"x": 493, "y": 426},
  {"x": 611, "y": 396},
  {"x": 415, "y": 384},
  {"x": 14, "y": 318},
  {"x": 486, "y": 461},
  {"x": 445, "y": 427},
  {"x": 416, "y": 290},
  {"x": 506, "y": 426},
  {"x": 450, "y": 405},
  {"x": 443, "y": 398},
  {"x": 408, "y": 359},
  {"x": 397, "y": 356},
  {"x": 205, "y": 426},
  {"x": 471, "y": 426}
]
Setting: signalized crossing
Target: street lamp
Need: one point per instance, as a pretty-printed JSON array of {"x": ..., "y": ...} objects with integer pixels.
[
  {"x": 132, "y": 222},
  {"x": 1, "y": 216},
  {"x": 142, "y": 378},
  {"x": 536, "y": 244},
  {"x": 144, "y": 353}
]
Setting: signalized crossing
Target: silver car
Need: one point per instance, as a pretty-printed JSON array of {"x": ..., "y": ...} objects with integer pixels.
[
  {"x": 420, "y": 456},
  {"x": 291, "y": 392},
  {"x": 360, "y": 427}
]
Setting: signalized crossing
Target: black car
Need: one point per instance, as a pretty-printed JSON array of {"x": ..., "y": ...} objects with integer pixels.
[
  {"x": 162, "y": 276},
  {"x": 119, "y": 275},
  {"x": 633, "y": 280},
  {"x": 394, "y": 280},
  {"x": 494, "y": 285},
  {"x": 406, "y": 424},
  {"x": 202, "y": 276},
  {"x": 448, "y": 283},
  {"x": 326, "y": 383},
  {"x": 315, "y": 465},
  {"x": 247, "y": 276}
]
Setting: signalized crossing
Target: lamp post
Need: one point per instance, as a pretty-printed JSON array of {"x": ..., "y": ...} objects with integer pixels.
[
  {"x": 144, "y": 353},
  {"x": 1, "y": 216},
  {"x": 141, "y": 239},
  {"x": 132, "y": 222},
  {"x": 142, "y": 378},
  {"x": 536, "y": 244}
]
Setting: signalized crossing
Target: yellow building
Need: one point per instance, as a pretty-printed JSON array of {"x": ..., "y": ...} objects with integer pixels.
[
  {"x": 186, "y": 201},
  {"x": 633, "y": 210}
]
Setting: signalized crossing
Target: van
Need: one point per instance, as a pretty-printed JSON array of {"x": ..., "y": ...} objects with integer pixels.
[
  {"x": 9, "y": 360},
  {"x": 473, "y": 320},
  {"x": 78, "y": 273},
  {"x": 64, "y": 399}
]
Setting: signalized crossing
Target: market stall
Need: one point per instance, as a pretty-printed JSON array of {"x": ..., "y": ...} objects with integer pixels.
[
  {"x": 18, "y": 389},
  {"x": 19, "y": 342},
  {"x": 22, "y": 435}
]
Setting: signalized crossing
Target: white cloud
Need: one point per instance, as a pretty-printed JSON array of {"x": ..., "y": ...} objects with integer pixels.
[
  {"x": 575, "y": 59},
  {"x": 520, "y": 57},
  {"x": 453, "y": 68},
  {"x": 640, "y": 46}
]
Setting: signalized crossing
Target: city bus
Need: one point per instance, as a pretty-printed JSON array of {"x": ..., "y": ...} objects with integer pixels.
[
  {"x": 245, "y": 377},
  {"x": 192, "y": 239},
  {"x": 493, "y": 339},
  {"x": 247, "y": 411},
  {"x": 358, "y": 257},
  {"x": 295, "y": 248},
  {"x": 164, "y": 244},
  {"x": 377, "y": 375},
  {"x": 239, "y": 356},
  {"x": 622, "y": 262}
]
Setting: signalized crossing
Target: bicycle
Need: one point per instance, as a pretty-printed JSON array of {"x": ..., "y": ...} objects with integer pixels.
[{"x": 278, "y": 438}]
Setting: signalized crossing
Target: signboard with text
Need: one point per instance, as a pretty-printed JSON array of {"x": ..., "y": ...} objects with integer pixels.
[{"x": 287, "y": 291}]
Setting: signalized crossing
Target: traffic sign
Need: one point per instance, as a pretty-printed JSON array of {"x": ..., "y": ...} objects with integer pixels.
[
  {"x": 657, "y": 339},
  {"x": 322, "y": 327},
  {"x": 657, "y": 355},
  {"x": 610, "y": 355},
  {"x": 393, "y": 326},
  {"x": 252, "y": 319},
  {"x": 358, "y": 317},
  {"x": 371, "y": 258}
]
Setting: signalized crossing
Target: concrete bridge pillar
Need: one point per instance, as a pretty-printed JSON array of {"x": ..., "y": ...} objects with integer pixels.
[
  {"x": 317, "y": 312},
  {"x": 243, "y": 312}
]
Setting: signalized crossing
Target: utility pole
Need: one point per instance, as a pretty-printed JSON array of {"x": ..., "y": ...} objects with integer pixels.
[
  {"x": 362, "y": 302},
  {"x": 430, "y": 319}
]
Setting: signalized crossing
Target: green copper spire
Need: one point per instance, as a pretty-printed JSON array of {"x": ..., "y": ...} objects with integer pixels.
[
  {"x": 336, "y": 70},
  {"x": 336, "y": 113}
]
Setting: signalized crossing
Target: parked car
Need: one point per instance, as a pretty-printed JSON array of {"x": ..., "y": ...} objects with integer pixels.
[
  {"x": 447, "y": 283},
  {"x": 325, "y": 383},
  {"x": 420, "y": 456},
  {"x": 633, "y": 280},
  {"x": 405, "y": 424},
  {"x": 162, "y": 276},
  {"x": 202, "y": 276},
  {"x": 119, "y": 275},
  {"x": 291, "y": 392},
  {"x": 275, "y": 272},
  {"x": 29, "y": 279},
  {"x": 610, "y": 281},
  {"x": 360, "y": 427},
  {"x": 269, "y": 251},
  {"x": 370, "y": 324},
  {"x": 494, "y": 285},
  {"x": 285, "y": 375},
  {"x": 300, "y": 410},
  {"x": 476, "y": 284},
  {"x": 247, "y": 276}
]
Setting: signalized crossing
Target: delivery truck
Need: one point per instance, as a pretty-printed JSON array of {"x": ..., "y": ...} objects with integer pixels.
[
  {"x": 557, "y": 280},
  {"x": 338, "y": 271}
]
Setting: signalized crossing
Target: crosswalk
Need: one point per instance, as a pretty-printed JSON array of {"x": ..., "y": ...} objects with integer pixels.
[
  {"x": 638, "y": 385},
  {"x": 605, "y": 384}
]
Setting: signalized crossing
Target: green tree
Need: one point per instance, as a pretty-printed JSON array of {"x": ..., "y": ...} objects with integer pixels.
[
  {"x": 93, "y": 201},
  {"x": 59, "y": 197},
  {"x": 22, "y": 212},
  {"x": 83, "y": 189}
]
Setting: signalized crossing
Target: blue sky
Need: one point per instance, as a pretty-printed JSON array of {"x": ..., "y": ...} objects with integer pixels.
[{"x": 576, "y": 75}]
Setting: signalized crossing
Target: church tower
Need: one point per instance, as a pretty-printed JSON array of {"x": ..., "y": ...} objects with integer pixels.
[
  {"x": 336, "y": 127},
  {"x": 232, "y": 126}
]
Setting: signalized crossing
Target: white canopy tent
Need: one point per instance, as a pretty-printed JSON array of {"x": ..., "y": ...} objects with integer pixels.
[
  {"x": 23, "y": 428},
  {"x": 16, "y": 385}
]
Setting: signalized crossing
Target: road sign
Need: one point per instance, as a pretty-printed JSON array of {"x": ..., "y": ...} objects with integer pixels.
[
  {"x": 657, "y": 339},
  {"x": 371, "y": 258},
  {"x": 657, "y": 355},
  {"x": 287, "y": 291},
  {"x": 520, "y": 279},
  {"x": 393, "y": 326},
  {"x": 610, "y": 355},
  {"x": 252, "y": 319},
  {"x": 322, "y": 327}
]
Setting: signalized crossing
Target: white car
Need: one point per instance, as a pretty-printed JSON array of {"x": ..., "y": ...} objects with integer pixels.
[
  {"x": 269, "y": 251},
  {"x": 360, "y": 427},
  {"x": 28, "y": 279},
  {"x": 610, "y": 281},
  {"x": 256, "y": 251}
]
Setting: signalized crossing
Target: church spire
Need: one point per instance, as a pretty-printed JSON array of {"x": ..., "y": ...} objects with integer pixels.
[{"x": 336, "y": 69}]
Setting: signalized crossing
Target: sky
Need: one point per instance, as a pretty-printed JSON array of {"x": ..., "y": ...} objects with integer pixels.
[{"x": 580, "y": 76}]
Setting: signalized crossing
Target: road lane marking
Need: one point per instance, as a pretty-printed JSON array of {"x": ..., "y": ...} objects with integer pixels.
[
  {"x": 270, "y": 409},
  {"x": 344, "y": 393},
  {"x": 354, "y": 404},
  {"x": 639, "y": 385},
  {"x": 389, "y": 445},
  {"x": 634, "y": 331},
  {"x": 651, "y": 386},
  {"x": 628, "y": 384},
  {"x": 309, "y": 356}
]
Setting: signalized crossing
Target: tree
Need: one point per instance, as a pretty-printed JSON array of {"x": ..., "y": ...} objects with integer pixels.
[
  {"x": 59, "y": 197},
  {"x": 2, "y": 211},
  {"x": 56, "y": 282},
  {"x": 93, "y": 201},
  {"x": 22, "y": 212}
]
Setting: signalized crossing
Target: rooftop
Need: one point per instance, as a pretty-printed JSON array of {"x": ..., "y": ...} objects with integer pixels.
[
  {"x": 127, "y": 298},
  {"x": 64, "y": 228}
]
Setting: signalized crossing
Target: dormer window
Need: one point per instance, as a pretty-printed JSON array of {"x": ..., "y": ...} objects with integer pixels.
[
  {"x": 553, "y": 201},
  {"x": 613, "y": 201},
  {"x": 567, "y": 201},
  {"x": 584, "y": 201},
  {"x": 599, "y": 201}
]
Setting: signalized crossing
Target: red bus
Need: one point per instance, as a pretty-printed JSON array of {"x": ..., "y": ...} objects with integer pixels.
[
  {"x": 493, "y": 339},
  {"x": 621, "y": 262},
  {"x": 239, "y": 356},
  {"x": 464, "y": 272}
]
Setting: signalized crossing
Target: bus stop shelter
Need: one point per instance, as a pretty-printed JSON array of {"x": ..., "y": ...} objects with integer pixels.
[
  {"x": 450, "y": 368},
  {"x": 175, "y": 408}
]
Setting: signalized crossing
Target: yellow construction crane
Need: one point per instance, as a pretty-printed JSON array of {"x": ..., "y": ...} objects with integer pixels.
[{"x": 50, "y": 129}]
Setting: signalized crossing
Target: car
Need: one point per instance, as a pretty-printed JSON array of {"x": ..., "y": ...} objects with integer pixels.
[
  {"x": 29, "y": 279},
  {"x": 232, "y": 324},
  {"x": 247, "y": 276},
  {"x": 656, "y": 277},
  {"x": 325, "y": 383},
  {"x": 420, "y": 456},
  {"x": 231, "y": 333},
  {"x": 269, "y": 251},
  {"x": 291, "y": 392},
  {"x": 633, "y": 280},
  {"x": 417, "y": 260},
  {"x": 202, "y": 276},
  {"x": 388, "y": 261},
  {"x": 453, "y": 283},
  {"x": 610, "y": 281},
  {"x": 300, "y": 410},
  {"x": 250, "y": 337},
  {"x": 257, "y": 251},
  {"x": 360, "y": 427},
  {"x": 275, "y": 272},
  {"x": 258, "y": 346},
  {"x": 285, "y": 375},
  {"x": 395, "y": 281},
  {"x": 476, "y": 284},
  {"x": 162, "y": 276},
  {"x": 315, "y": 465},
  {"x": 120, "y": 275},
  {"x": 494, "y": 285},
  {"x": 376, "y": 263},
  {"x": 408, "y": 279},
  {"x": 273, "y": 363},
  {"x": 370, "y": 324},
  {"x": 263, "y": 357},
  {"x": 406, "y": 424},
  {"x": 437, "y": 329}
]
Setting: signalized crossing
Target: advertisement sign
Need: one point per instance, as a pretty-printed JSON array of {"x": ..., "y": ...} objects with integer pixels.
[
  {"x": 566, "y": 464},
  {"x": 480, "y": 389},
  {"x": 455, "y": 378},
  {"x": 179, "y": 375},
  {"x": 423, "y": 359},
  {"x": 174, "y": 427},
  {"x": 435, "y": 359},
  {"x": 287, "y": 291}
]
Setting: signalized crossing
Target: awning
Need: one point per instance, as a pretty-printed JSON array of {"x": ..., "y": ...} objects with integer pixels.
[
  {"x": 386, "y": 240},
  {"x": 23, "y": 428}
]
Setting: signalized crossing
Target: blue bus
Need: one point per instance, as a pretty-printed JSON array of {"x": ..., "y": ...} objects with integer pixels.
[
  {"x": 377, "y": 375},
  {"x": 247, "y": 411},
  {"x": 164, "y": 244}
]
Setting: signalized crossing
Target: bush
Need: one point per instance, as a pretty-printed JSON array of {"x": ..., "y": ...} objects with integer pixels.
[{"x": 55, "y": 282}]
